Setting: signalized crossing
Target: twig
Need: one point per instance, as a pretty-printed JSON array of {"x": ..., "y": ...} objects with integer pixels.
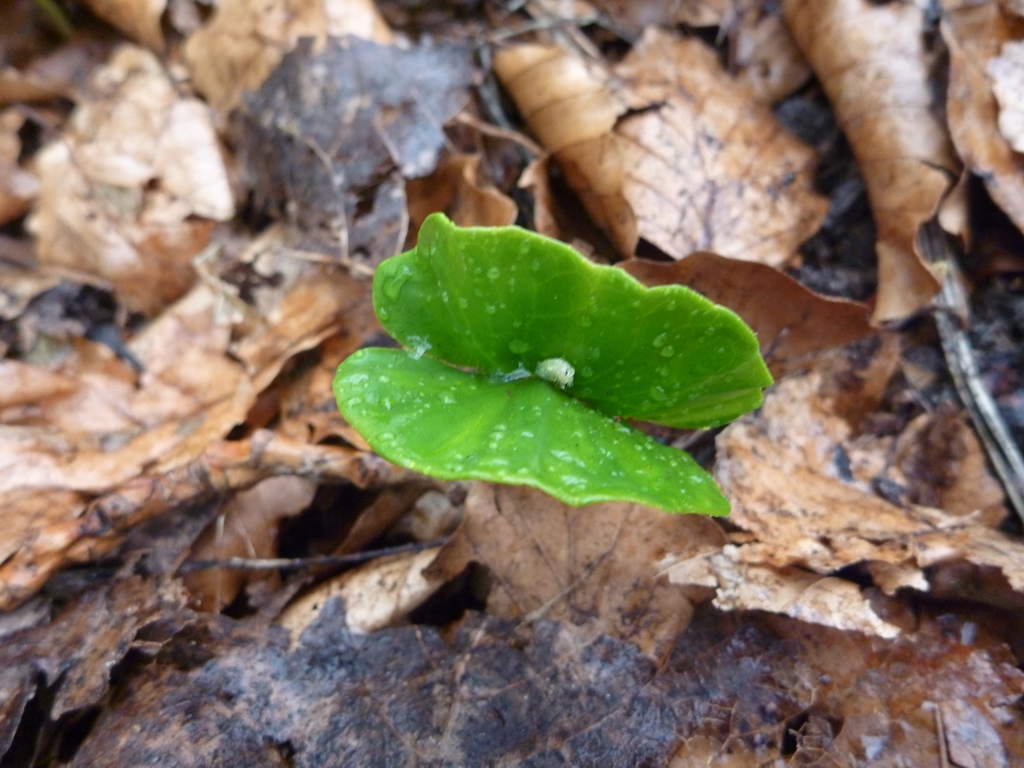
[
  {"x": 300, "y": 563},
  {"x": 952, "y": 315}
]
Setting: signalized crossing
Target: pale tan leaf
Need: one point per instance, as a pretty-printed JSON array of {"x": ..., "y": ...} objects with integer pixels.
[
  {"x": 139, "y": 20},
  {"x": 455, "y": 190},
  {"x": 872, "y": 63},
  {"x": 245, "y": 41}
]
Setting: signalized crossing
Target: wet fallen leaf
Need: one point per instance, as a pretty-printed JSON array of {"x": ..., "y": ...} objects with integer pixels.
[
  {"x": 975, "y": 35},
  {"x": 243, "y": 43},
  {"x": 594, "y": 567},
  {"x": 129, "y": 193},
  {"x": 698, "y": 165},
  {"x": 303, "y": 125},
  {"x": 742, "y": 690},
  {"x": 872, "y": 63}
]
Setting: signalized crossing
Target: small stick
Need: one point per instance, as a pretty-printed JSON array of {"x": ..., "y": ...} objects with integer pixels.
[{"x": 300, "y": 563}]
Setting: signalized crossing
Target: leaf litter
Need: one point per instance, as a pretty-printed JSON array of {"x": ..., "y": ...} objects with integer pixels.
[{"x": 169, "y": 351}]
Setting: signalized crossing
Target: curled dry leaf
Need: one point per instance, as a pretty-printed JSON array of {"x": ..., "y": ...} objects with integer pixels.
[
  {"x": 244, "y": 41},
  {"x": 246, "y": 526},
  {"x": 789, "y": 320},
  {"x": 138, "y": 20},
  {"x": 698, "y": 165},
  {"x": 594, "y": 567},
  {"x": 129, "y": 193},
  {"x": 376, "y": 595},
  {"x": 975, "y": 35},
  {"x": 872, "y": 63},
  {"x": 18, "y": 187},
  {"x": 454, "y": 189}
]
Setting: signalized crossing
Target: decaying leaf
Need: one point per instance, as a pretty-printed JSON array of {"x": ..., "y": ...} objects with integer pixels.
[
  {"x": 330, "y": 154},
  {"x": 740, "y": 690},
  {"x": 591, "y": 566},
  {"x": 975, "y": 35},
  {"x": 872, "y": 63},
  {"x": 764, "y": 55},
  {"x": 243, "y": 42},
  {"x": 699, "y": 165},
  {"x": 129, "y": 194}
]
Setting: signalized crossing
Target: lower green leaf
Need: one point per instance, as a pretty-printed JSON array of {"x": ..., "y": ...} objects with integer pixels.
[{"x": 443, "y": 422}]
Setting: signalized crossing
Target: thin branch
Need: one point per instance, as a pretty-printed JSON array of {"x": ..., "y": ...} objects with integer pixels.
[{"x": 301, "y": 563}]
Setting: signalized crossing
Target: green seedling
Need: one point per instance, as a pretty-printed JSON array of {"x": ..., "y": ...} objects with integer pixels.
[{"x": 522, "y": 358}]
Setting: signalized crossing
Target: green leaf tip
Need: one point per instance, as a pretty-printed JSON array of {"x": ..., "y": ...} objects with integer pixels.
[{"x": 557, "y": 345}]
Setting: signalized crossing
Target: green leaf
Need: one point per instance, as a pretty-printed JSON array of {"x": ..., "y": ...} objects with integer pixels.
[
  {"x": 444, "y": 422},
  {"x": 502, "y": 300}
]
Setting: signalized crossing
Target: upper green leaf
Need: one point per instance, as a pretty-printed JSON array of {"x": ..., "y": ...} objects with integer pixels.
[{"x": 504, "y": 301}]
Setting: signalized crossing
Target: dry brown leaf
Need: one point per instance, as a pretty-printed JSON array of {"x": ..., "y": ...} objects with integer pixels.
[
  {"x": 138, "y": 20},
  {"x": 802, "y": 485},
  {"x": 789, "y": 320},
  {"x": 455, "y": 190},
  {"x": 48, "y": 527},
  {"x": 376, "y": 595},
  {"x": 535, "y": 180},
  {"x": 245, "y": 41},
  {"x": 127, "y": 194},
  {"x": 704, "y": 167},
  {"x": 635, "y": 15},
  {"x": 764, "y": 55},
  {"x": 18, "y": 187},
  {"x": 872, "y": 63},
  {"x": 246, "y": 526},
  {"x": 1007, "y": 73},
  {"x": 792, "y": 592},
  {"x": 594, "y": 566},
  {"x": 975, "y": 35}
]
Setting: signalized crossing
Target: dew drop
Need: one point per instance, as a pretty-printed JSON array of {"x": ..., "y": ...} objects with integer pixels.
[
  {"x": 444, "y": 296},
  {"x": 659, "y": 340},
  {"x": 491, "y": 309},
  {"x": 463, "y": 302},
  {"x": 657, "y": 393},
  {"x": 587, "y": 371},
  {"x": 517, "y": 323},
  {"x": 535, "y": 265},
  {"x": 518, "y": 346},
  {"x": 586, "y": 322},
  {"x": 668, "y": 351},
  {"x": 493, "y": 273}
]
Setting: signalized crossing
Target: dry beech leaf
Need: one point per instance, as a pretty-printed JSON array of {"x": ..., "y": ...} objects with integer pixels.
[
  {"x": 376, "y": 595},
  {"x": 48, "y": 527},
  {"x": 764, "y": 56},
  {"x": 635, "y": 15},
  {"x": 535, "y": 180},
  {"x": 1007, "y": 73},
  {"x": 792, "y": 592},
  {"x": 18, "y": 187},
  {"x": 139, "y": 20},
  {"x": 245, "y": 41},
  {"x": 700, "y": 165},
  {"x": 871, "y": 62},
  {"x": 789, "y": 320},
  {"x": 594, "y": 567},
  {"x": 246, "y": 526},
  {"x": 801, "y": 486},
  {"x": 455, "y": 190},
  {"x": 129, "y": 193},
  {"x": 975, "y": 36}
]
